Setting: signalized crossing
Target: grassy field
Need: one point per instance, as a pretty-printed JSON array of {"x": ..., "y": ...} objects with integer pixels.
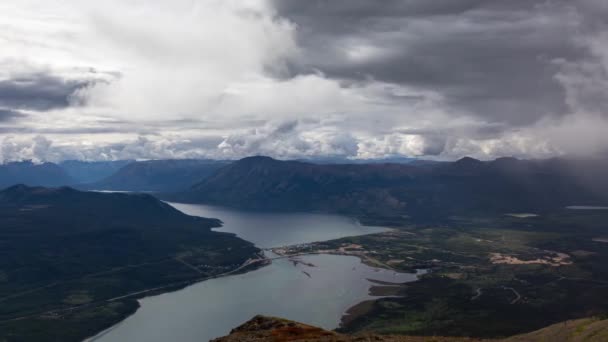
[{"x": 489, "y": 276}]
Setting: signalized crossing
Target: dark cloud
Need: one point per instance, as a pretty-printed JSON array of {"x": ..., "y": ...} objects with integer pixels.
[
  {"x": 96, "y": 127},
  {"x": 8, "y": 115},
  {"x": 365, "y": 78},
  {"x": 433, "y": 145},
  {"x": 364, "y": 9},
  {"x": 489, "y": 58},
  {"x": 38, "y": 92}
]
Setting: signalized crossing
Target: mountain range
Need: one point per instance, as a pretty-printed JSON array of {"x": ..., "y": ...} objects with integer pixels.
[
  {"x": 159, "y": 175},
  {"x": 27, "y": 172},
  {"x": 91, "y": 171},
  {"x": 420, "y": 190},
  {"x": 121, "y": 175}
]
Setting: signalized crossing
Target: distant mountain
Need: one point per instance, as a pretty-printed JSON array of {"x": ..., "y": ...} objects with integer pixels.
[
  {"x": 159, "y": 175},
  {"x": 267, "y": 184},
  {"x": 417, "y": 189},
  {"x": 89, "y": 172},
  {"x": 27, "y": 172},
  {"x": 73, "y": 263},
  {"x": 343, "y": 160},
  {"x": 118, "y": 205}
]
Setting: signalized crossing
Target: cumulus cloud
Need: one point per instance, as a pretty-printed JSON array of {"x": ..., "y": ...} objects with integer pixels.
[
  {"x": 290, "y": 139},
  {"x": 185, "y": 58},
  {"x": 288, "y": 78},
  {"x": 488, "y": 58},
  {"x": 15, "y": 149}
]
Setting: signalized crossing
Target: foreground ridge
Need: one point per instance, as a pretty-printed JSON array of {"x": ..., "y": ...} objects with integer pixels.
[{"x": 273, "y": 329}]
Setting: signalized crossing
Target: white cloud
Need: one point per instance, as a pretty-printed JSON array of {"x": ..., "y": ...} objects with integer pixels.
[
  {"x": 199, "y": 79},
  {"x": 181, "y": 58}
]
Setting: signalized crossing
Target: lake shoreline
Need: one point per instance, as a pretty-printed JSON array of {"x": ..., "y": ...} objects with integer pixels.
[
  {"x": 352, "y": 313},
  {"x": 245, "y": 229},
  {"x": 357, "y": 310},
  {"x": 174, "y": 288}
]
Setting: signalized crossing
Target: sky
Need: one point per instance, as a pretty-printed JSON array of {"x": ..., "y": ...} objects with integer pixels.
[{"x": 225, "y": 79}]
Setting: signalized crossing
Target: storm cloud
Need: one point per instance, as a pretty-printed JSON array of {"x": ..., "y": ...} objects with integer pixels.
[
  {"x": 289, "y": 78},
  {"x": 40, "y": 92},
  {"x": 489, "y": 58},
  {"x": 6, "y": 115}
]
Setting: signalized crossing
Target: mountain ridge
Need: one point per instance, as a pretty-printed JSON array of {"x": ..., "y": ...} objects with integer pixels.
[
  {"x": 35, "y": 174},
  {"x": 91, "y": 171},
  {"x": 73, "y": 263},
  {"x": 158, "y": 175},
  {"x": 502, "y": 185}
]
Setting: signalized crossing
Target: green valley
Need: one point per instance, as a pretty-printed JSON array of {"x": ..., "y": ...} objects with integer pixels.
[{"x": 487, "y": 276}]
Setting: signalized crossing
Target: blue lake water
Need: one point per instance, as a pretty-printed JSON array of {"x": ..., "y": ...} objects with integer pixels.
[{"x": 318, "y": 294}]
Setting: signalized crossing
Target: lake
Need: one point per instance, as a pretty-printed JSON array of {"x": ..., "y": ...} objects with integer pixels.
[
  {"x": 267, "y": 230},
  {"x": 316, "y": 295}
]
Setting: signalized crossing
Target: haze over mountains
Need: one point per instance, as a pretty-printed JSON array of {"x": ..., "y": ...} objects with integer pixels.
[
  {"x": 423, "y": 190},
  {"x": 124, "y": 175},
  {"x": 159, "y": 175},
  {"x": 26, "y": 172},
  {"x": 88, "y": 172},
  {"x": 416, "y": 188}
]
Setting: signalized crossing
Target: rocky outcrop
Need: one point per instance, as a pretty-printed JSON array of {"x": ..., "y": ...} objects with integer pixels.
[{"x": 272, "y": 329}]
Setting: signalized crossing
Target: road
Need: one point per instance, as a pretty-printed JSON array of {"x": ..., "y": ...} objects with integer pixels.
[
  {"x": 113, "y": 270},
  {"x": 247, "y": 263},
  {"x": 517, "y": 295}
]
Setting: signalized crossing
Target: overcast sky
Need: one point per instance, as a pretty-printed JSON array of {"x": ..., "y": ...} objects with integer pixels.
[{"x": 117, "y": 79}]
